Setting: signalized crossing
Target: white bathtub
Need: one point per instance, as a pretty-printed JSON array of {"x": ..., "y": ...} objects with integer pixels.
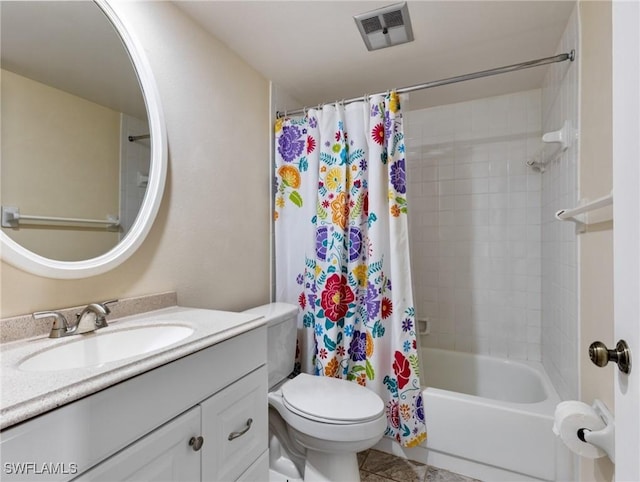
[{"x": 488, "y": 418}]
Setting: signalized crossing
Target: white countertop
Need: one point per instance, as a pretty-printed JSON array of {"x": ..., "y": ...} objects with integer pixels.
[{"x": 25, "y": 394}]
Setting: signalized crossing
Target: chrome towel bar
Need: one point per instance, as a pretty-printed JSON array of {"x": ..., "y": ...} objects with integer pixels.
[{"x": 11, "y": 218}]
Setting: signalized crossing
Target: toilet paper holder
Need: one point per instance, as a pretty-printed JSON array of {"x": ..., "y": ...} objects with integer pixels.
[{"x": 604, "y": 438}]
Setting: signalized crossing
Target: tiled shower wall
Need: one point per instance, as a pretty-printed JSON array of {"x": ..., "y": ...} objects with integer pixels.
[
  {"x": 493, "y": 270},
  {"x": 560, "y": 351},
  {"x": 475, "y": 219}
]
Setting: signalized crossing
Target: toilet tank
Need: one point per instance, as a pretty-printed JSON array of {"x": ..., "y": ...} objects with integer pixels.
[{"x": 282, "y": 324}]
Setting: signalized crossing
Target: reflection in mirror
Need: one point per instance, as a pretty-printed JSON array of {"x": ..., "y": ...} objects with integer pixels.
[{"x": 70, "y": 102}]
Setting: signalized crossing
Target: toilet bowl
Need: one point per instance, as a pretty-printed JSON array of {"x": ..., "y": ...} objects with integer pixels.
[
  {"x": 316, "y": 424},
  {"x": 333, "y": 420}
]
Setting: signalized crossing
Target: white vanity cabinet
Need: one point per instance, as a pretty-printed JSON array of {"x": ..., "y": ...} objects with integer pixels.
[
  {"x": 218, "y": 440},
  {"x": 141, "y": 428}
]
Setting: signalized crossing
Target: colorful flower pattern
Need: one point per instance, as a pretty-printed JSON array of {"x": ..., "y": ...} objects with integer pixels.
[
  {"x": 335, "y": 298},
  {"x": 353, "y": 324}
]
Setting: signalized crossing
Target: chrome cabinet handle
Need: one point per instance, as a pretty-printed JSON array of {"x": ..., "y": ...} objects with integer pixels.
[
  {"x": 196, "y": 443},
  {"x": 234, "y": 435}
]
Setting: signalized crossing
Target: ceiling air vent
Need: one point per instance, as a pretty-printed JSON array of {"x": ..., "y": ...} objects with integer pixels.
[{"x": 385, "y": 26}]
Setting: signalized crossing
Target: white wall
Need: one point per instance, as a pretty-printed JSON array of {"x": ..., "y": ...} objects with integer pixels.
[
  {"x": 596, "y": 180},
  {"x": 474, "y": 217},
  {"x": 560, "y": 100},
  {"x": 210, "y": 240},
  {"x": 51, "y": 161}
]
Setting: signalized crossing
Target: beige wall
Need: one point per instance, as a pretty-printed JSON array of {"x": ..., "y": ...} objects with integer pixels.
[
  {"x": 60, "y": 157},
  {"x": 596, "y": 245},
  {"x": 210, "y": 239}
]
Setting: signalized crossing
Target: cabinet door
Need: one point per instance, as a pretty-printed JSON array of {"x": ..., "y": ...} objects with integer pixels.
[
  {"x": 235, "y": 428},
  {"x": 256, "y": 472},
  {"x": 163, "y": 455}
]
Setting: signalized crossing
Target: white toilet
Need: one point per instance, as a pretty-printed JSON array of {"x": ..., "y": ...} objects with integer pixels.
[{"x": 316, "y": 424}]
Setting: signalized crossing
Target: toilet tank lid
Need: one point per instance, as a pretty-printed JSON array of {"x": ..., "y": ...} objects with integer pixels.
[{"x": 275, "y": 312}]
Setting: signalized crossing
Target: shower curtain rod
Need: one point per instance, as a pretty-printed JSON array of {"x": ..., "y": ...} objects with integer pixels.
[{"x": 460, "y": 78}]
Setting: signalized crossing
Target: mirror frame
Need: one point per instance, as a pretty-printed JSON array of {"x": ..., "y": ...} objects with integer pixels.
[{"x": 20, "y": 257}]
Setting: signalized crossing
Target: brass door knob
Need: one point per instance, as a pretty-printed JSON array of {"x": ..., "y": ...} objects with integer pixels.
[{"x": 600, "y": 355}]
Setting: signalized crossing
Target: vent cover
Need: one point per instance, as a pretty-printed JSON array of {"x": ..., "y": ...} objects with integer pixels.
[
  {"x": 371, "y": 24},
  {"x": 385, "y": 26}
]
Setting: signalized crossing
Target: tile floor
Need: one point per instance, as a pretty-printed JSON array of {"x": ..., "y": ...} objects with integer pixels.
[{"x": 376, "y": 466}]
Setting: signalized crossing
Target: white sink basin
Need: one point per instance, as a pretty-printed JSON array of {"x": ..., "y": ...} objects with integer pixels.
[{"x": 95, "y": 349}]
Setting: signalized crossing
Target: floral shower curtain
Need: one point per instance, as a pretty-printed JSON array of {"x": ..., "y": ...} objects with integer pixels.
[{"x": 342, "y": 251}]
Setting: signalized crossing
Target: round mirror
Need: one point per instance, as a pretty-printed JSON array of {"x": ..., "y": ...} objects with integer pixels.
[{"x": 83, "y": 143}]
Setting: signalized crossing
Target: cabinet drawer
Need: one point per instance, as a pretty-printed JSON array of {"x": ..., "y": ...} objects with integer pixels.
[{"x": 235, "y": 427}]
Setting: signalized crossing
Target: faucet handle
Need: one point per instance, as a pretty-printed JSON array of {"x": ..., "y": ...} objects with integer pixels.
[
  {"x": 105, "y": 303},
  {"x": 102, "y": 310},
  {"x": 60, "y": 325}
]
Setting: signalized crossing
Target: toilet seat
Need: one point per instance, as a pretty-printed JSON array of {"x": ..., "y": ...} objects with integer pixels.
[
  {"x": 322, "y": 399},
  {"x": 324, "y": 431}
]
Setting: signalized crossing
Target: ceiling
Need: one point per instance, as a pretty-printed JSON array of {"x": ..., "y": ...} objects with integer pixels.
[{"x": 313, "y": 50}]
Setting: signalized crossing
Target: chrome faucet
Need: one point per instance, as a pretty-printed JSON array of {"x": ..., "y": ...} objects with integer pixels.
[{"x": 91, "y": 318}]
